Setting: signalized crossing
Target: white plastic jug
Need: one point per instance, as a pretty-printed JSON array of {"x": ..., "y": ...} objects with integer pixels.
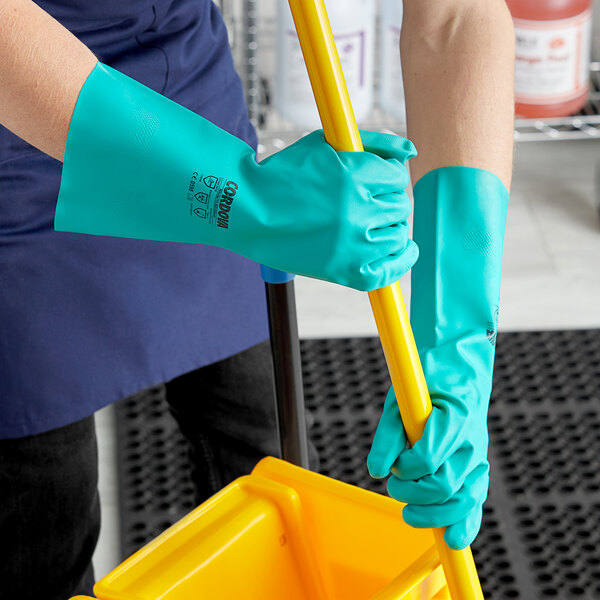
[{"x": 353, "y": 25}]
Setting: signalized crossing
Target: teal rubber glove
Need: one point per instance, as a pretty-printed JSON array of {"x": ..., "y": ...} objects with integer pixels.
[
  {"x": 459, "y": 221},
  {"x": 138, "y": 165}
]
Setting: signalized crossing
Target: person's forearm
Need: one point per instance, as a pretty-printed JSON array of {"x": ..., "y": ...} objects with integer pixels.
[
  {"x": 42, "y": 70},
  {"x": 458, "y": 60}
]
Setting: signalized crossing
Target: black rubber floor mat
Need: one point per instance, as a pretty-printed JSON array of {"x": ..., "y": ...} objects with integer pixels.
[{"x": 541, "y": 532}]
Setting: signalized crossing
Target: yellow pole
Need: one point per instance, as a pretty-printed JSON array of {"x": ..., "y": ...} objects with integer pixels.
[{"x": 341, "y": 131}]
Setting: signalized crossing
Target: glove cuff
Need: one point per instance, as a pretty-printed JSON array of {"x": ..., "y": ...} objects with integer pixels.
[
  {"x": 139, "y": 165},
  {"x": 459, "y": 222}
]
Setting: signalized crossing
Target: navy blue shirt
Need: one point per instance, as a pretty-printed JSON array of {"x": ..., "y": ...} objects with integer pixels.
[{"x": 87, "y": 320}]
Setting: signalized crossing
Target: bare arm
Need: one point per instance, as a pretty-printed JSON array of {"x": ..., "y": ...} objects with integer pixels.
[
  {"x": 42, "y": 70},
  {"x": 458, "y": 60}
]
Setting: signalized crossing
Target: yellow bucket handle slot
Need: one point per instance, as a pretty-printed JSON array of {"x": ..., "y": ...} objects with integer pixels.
[{"x": 408, "y": 379}]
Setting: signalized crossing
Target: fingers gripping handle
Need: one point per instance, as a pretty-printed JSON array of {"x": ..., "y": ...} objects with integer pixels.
[
  {"x": 413, "y": 399},
  {"x": 341, "y": 131}
]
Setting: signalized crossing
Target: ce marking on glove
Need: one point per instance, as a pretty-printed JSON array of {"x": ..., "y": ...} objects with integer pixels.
[{"x": 193, "y": 181}]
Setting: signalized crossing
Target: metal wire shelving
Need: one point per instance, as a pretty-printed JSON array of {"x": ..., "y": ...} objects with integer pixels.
[{"x": 585, "y": 125}]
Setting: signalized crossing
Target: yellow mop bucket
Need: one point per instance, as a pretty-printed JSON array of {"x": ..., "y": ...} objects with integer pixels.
[{"x": 284, "y": 533}]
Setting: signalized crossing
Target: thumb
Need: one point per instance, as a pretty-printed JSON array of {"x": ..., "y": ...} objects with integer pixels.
[
  {"x": 387, "y": 145},
  {"x": 389, "y": 440}
]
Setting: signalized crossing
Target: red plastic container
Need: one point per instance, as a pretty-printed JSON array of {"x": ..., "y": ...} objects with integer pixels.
[{"x": 552, "y": 56}]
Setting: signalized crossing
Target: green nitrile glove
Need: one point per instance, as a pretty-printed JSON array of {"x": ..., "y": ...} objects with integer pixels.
[
  {"x": 138, "y": 165},
  {"x": 459, "y": 220}
]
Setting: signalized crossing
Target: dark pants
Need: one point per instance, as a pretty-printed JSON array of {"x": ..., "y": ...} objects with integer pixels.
[
  {"x": 49, "y": 513},
  {"x": 49, "y": 510}
]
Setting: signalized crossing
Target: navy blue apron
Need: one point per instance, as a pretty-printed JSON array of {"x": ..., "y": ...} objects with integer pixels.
[{"x": 87, "y": 320}]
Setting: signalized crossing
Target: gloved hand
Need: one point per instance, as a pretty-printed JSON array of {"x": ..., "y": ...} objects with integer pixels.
[
  {"x": 138, "y": 165},
  {"x": 459, "y": 221}
]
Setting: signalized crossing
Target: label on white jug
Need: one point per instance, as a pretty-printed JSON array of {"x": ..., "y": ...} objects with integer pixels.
[
  {"x": 352, "y": 51},
  {"x": 552, "y": 59}
]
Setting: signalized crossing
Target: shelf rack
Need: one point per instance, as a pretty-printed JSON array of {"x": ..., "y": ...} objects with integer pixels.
[
  {"x": 584, "y": 125},
  {"x": 253, "y": 38}
]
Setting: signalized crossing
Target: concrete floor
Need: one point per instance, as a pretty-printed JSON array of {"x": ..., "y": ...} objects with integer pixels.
[{"x": 551, "y": 279}]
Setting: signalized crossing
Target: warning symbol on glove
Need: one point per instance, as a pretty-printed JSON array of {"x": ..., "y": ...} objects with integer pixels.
[
  {"x": 200, "y": 212},
  {"x": 210, "y": 181},
  {"x": 201, "y": 197}
]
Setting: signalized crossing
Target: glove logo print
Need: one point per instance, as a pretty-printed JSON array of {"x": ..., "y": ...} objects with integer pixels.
[
  {"x": 210, "y": 181},
  {"x": 225, "y": 205},
  {"x": 215, "y": 200}
]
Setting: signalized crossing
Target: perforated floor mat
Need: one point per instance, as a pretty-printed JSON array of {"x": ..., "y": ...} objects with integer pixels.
[{"x": 541, "y": 532}]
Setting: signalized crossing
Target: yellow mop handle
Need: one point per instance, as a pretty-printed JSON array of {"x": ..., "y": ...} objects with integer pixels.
[{"x": 341, "y": 131}]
